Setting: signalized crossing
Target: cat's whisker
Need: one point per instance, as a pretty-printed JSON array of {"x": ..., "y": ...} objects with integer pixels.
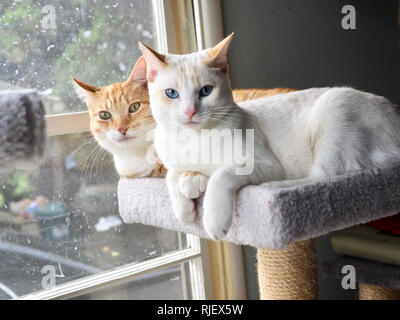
[
  {"x": 223, "y": 121},
  {"x": 85, "y": 166},
  {"x": 99, "y": 165},
  {"x": 88, "y": 163},
  {"x": 87, "y": 142},
  {"x": 95, "y": 158},
  {"x": 90, "y": 166},
  {"x": 102, "y": 169},
  {"x": 85, "y": 163},
  {"x": 232, "y": 115}
]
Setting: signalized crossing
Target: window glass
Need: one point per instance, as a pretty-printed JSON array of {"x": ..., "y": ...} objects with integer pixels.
[
  {"x": 169, "y": 284},
  {"x": 63, "y": 218},
  {"x": 45, "y": 43}
]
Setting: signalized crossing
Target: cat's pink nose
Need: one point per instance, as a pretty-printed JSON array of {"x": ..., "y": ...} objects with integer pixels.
[
  {"x": 123, "y": 130},
  {"x": 190, "y": 112}
]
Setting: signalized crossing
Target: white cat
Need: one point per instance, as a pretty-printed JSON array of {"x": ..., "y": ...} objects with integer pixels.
[{"x": 306, "y": 134}]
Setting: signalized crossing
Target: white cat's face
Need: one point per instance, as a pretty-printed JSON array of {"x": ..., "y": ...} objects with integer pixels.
[{"x": 188, "y": 90}]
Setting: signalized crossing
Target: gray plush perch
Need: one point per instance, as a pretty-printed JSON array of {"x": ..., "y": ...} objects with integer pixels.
[
  {"x": 272, "y": 218},
  {"x": 22, "y": 129}
]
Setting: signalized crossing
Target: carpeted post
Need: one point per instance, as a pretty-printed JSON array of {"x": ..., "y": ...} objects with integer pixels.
[
  {"x": 374, "y": 292},
  {"x": 289, "y": 274}
]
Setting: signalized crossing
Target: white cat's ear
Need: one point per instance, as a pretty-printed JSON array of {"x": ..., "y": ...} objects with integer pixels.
[
  {"x": 155, "y": 61},
  {"x": 218, "y": 54},
  {"x": 85, "y": 91},
  {"x": 139, "y": 71}
]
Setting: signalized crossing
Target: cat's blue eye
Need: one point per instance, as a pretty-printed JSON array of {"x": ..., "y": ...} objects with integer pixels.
[
  {"x": 206, "y": 90},
  {"x": 172, "y": 93}
]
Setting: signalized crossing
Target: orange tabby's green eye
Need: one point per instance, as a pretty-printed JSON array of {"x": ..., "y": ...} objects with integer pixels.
[
  {"x": 134, "y": 107},
  {"x": 105, "y": 115}
]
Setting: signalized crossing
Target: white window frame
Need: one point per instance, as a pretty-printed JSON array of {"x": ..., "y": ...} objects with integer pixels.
[{"x": 196, "y": 254}]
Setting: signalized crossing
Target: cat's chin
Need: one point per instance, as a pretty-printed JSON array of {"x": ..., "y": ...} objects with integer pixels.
[
  {"x": 115, "y": 146},
  {"x": 124, "y": 140},
  {"x": 190, "y": 124}
]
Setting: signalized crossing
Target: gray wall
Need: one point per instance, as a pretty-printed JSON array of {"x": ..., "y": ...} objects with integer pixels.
[{"x": 300, "y": 44}]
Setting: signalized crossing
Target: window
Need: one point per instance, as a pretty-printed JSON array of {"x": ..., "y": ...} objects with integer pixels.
[
  {"x": 42, "y": 46},
  {"x": 60, "y": 231}
]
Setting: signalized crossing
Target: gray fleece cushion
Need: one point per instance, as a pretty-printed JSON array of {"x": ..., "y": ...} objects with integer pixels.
[
  {"x": 22, "y": 129},
  {"x": 271, "y": 218}
]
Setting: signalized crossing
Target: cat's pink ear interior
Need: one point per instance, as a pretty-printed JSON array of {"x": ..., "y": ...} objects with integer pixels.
[
  {"x": 139, "y": 71},
  {"x": 155, "y": 61},
  {"x": 86, "y": 91},
  {"x": 218, "y": 54}
]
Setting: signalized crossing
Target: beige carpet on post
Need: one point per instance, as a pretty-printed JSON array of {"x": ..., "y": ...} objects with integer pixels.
[
  {"x": 374, "y": 292},
  {"x": 289, "y": 274}
]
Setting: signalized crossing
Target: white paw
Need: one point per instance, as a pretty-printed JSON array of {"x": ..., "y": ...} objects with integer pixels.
[
  {"x": 215, "y": 230},
  {"x": 218, "y": 213},
  {"x": 185, "y": 210},
  {"x": 193, "y": 185}
]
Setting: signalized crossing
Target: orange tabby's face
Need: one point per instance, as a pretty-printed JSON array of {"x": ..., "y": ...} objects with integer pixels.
[{"x": 120, "y": 114}]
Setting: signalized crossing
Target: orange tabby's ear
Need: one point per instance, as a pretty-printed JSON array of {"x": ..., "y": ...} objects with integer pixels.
[
  {"x": 155, "y": 61},
  {"x": 218, "y": 54},
  {"x": 86, "y": 91},
  {"x": 139, "y": 71}
]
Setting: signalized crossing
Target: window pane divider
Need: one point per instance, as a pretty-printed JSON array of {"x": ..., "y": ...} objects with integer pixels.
[
  {"x": 67, "y": 123},
  {"x": 115, "y": 276}
]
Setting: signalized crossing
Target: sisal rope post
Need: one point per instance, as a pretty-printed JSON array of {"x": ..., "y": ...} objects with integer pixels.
[
  {"x": 374, "y": 292},
  {"x": 289, "y": 274}
]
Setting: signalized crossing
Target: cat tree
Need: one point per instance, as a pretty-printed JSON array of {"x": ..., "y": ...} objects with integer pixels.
[
  {"x": 281, "y": 222},
  {"x": 22, "y": 129},
  {"x": 376, "y": 280}
]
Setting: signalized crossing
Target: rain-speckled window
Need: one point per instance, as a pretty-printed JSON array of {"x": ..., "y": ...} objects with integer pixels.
[
  {"x": 60, "y": 223},
  {"x": 45, "y": 43}
]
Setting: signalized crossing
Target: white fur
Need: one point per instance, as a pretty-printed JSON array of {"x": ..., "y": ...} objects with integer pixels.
[
  {"x": 192, "y": 186},
  {"x": 300, "y": 135},
  {"x": 130, "y": 151}
]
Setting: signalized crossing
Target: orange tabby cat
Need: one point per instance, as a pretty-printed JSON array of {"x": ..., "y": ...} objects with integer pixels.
[{"x": 120, "y": 120}]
